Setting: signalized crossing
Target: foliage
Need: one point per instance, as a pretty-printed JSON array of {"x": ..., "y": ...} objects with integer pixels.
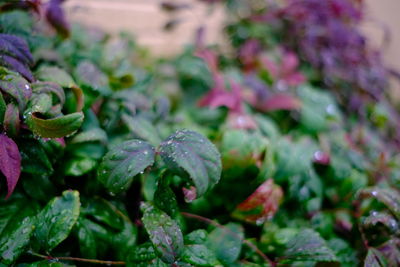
[{"x": 207, "y": 159}]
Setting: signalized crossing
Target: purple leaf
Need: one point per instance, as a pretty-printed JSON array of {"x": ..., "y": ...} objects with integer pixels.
[
  {"x": 10, "y": 162},
  {"x": 56, "y": 17},
  {"x": 11, "y": 120},
  {"x": 16, "y": 47},
  {"x": 17, "y": 66},
  {"x": 15, "y": 55}
]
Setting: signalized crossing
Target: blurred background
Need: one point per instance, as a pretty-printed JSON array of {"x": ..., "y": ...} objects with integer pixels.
[{"x": 147, "y": 21}]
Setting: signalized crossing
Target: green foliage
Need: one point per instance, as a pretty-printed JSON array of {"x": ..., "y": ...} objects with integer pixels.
[{"x": 208, "y": 159}]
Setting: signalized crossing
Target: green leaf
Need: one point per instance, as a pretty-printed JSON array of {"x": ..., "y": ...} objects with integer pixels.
[
  {"x": 87, "y": 241},
  {"x": 375, "y": 259},
  {"x": 49, "y": 88},
  {"x": 142, "y": 128},
  {"x": 55, "y": 127},
  {"x": 123, "y": 162},
  {"x": 196, "y": 237},
  {"x": 226, "y": 242},
  {"x": 12, "y": 244},
  {"x": 3, "y": 108},
  {"x": 56, "y": 75},
  {"x": 199, "y": 255},
  {"x": 55, "y": 221},
  {"x": 308, "y": 245},
  {"x": 79, "y": 166},
  {"x": 193, "y": 153},
  {"x": 164, "y": 233},
  {"x": 91, "y": 135},
  {"x": 142, "y": 253},
  {"x": 388, "y": 196},
  {"x": 102, "y": 211},
  {"x": 165, "y": 199},
  {"x": 16, "y": 86}
]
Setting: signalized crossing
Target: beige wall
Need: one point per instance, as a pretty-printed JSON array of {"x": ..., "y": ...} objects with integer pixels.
[{"x": 145, "y": 20}]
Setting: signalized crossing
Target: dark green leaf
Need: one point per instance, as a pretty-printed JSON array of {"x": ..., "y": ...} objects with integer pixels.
[
  {"x": 87, "y": 241},
  {"x": 102, "y": 211},
  {"x": 164, "y": 198},
  {"x": 123, "y": 162},
  {"x": 389, "y": 197},
  {"x": 55, "y": 221},
  {"x": 226, "y": 242},
  {"x": 199, "y": 255},
  {"x": 55, "y": 127},
  {"x": 164, "y": 233},
  {"x": 3, "y": 108},
  {"x": 13, "y": 244},
  {"x": 196, "y": 155},
  {"x": 142, "y": 128},
  {"x": 196, "y": 237},
  {"x": 142, "y": 253},
  {"x": 92, "y": 135},
  {"x": 308, "y": 245}
]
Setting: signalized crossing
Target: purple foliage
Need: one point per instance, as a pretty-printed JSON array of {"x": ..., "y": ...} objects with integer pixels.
[
  {"x": 56, "y": 17},
  {"x": 15, "y": 55},
  {"x": 10, "y": 162},
  {"x": 324, "y": 33}
]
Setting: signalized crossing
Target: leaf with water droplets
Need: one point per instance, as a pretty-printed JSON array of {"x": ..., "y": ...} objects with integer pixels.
[
  {"x": 191, "y": 152},
  {"x": 142, "y": 253},
  {"x": 226, "y": 242},
  {"x": 165, "y": 199},
  {"x": 12, "y": 245},
  {"x": 261, "y": 205},
  {"x": 123, "y": 162},
  {"x": 10, "y": 162},
  {"x": 164, "y": 233},
  {"x": 199, "y": 255},
  {"x": 308, "y": 245},
  {"x": 55, "y": 221},
  {"x": 375, "y": 259},
  {"x": 389, "y": 197}
]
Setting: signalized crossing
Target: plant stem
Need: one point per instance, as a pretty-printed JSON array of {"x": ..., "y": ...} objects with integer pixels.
[
  {"x": 77, "y": 259},
  {"x": 249, "y": 244}
]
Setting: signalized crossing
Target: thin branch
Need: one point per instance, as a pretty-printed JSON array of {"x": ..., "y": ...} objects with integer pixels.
[
  {"x": 77, "y": 259},
  {"x": 249, "y": 244}
]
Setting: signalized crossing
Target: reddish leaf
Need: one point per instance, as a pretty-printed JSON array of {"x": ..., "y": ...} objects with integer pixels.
[
  {"x": 12, "y": 123},
  {"x": 321, "y": 158},
  {"x": 189, "y": 193},
  {"x": 10, "y": 162},
  {"x": 261, "y": 205},
  {"x": 279, "y": 102}
]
